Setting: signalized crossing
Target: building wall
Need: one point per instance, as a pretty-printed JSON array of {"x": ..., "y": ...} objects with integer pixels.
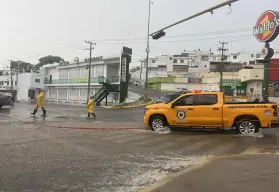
[
  {"x": 274, "y": 70},
  {"x": 37, "y": 80},
  {"x": 252, "y": 74},
  {"x": 24, "y": 83},
  {"x": 189, "y": 86},
  {"x": 256, "y": 86}
]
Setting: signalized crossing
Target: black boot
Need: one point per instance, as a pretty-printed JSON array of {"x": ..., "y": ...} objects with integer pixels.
[
  {"x": 34, "y": 112},
  {"x": 94, "y": 115},
  {"x": 44, "y": 113}
]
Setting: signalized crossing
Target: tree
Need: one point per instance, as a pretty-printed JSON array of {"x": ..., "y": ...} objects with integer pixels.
[
  {"x": 15, "y": 65},
  {"x": 49, "y": 60}
]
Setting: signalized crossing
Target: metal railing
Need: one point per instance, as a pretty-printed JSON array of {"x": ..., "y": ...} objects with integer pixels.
[{"x": 113, "y": 79}]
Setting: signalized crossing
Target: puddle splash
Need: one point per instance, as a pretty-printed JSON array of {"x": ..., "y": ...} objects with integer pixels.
[
  {"x": 256, "y": 135},
  {"x": 164, "y": 130}
]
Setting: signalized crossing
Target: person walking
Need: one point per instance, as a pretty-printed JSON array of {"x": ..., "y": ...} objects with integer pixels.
[
  {"x": 40, "y": 103},
  {"x": 90, "y": 107}
]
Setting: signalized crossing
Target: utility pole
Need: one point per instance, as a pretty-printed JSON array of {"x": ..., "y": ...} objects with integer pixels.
[
  {"x": 11, "y": 77},
  {"x": 222, "y": 49},
  {"x": 141, "y": 68},
  {"x": 89, "y": 66},
  {"x": 147, "y": 48}
]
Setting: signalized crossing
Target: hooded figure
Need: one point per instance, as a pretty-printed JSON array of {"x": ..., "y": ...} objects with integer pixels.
[
  {"x": 90, "y": 107},
  {"x": 40, "y": 103}
]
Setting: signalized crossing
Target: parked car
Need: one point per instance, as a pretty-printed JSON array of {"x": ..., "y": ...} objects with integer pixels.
[
  {"x": 5, "y": 100},
  {"x": 167, "y": 98},
  {"x": 182, "y": 90}
]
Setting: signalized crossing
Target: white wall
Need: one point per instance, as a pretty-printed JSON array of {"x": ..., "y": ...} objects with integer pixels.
[
  {"x": 24, "y": 83},
  {"x": 189, "y": 86},
  {"x": 256, "y": 85},
  {"x": 35, "y": 84}
]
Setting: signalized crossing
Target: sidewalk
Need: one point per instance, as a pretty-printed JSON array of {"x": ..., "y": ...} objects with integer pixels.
[{"x": 249, "y": 173}]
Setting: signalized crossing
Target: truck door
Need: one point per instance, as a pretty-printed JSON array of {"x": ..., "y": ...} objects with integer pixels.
[
  {"x": 208, "y": 111},
  {"x": 182, "y": 112}
]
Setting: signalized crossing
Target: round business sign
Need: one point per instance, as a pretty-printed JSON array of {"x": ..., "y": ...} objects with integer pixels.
[
  {"x": 180, "y": 114},
  {"x": 267, "y": 26}
]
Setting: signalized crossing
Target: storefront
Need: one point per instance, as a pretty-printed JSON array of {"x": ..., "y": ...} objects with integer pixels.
[{"x": 229, "y": 85}]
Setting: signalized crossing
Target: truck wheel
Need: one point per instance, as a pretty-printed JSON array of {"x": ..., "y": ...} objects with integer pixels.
[
  {"x": 247, "y": 126},
  {"x": 157, "y": 122}
]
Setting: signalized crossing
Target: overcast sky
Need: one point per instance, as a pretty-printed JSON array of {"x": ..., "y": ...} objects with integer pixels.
[{"x": 30, "y": 29}]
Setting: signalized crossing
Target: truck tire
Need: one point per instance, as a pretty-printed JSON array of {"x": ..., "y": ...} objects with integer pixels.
[
  {"x": 157, "y": 122},
  {"x": 247, "y": 126}
]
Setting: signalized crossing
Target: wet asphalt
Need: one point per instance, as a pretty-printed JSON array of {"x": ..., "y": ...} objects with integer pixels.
[
  {"x": 57, "y": 112},
  {"x": 36, "y": 158}
]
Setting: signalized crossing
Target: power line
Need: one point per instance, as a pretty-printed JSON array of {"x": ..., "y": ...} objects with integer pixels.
[{"x": 196, "y": 39}]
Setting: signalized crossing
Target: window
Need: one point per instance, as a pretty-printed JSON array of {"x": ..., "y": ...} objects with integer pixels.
[
  {"x": 37, "y": 80},
  {"x": 210, "y": 99},
  {"x": 153, "y": 61},
  {"x": 180, "y": 68},
  {"x": 184, "y": 101},
  {"x": 15, "y": 82},
  {"x": 1, "y": 82},
  {"x": 235, "y": 57},
  {"x": 170, "y": 58},
  {"x": 252, "y": 62},
  {"x": 8, "y": 82},
  {"x": 252, "y": 55},
  {"x": 181, "y": 61},
  {"x": 258, "y": 55},
  {"x": 175, "y": 61},
  {"x": 204, "y": 57}
]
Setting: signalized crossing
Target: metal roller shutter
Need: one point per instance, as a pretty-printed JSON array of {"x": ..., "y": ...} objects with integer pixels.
[
  {"x": 83, "y": 95},
  {"x": 53, "y": 93},
  {"x": 62, "y": 94},
  {"x": 73, "y": 94}
]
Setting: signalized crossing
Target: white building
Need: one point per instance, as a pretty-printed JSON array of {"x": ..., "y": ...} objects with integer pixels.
[
  {"x": 28, "y": 83},
  {"x": 68, "y": 83},
  {"x": 24, "y": 84}
]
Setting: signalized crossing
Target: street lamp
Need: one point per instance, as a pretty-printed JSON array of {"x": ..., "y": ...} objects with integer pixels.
[{"x": 147, "y": 48}]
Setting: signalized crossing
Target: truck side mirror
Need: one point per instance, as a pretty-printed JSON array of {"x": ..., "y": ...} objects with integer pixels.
[{"x": 172, "y": 105}]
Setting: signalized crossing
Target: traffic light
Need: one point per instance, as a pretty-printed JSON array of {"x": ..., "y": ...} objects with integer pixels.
[{"x": 158, "y": 35}]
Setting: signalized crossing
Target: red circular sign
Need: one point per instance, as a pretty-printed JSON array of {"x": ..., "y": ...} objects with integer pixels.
[{"x": 267, "y": 26}]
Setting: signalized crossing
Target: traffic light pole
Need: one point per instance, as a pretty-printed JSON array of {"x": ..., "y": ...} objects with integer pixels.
[
  {"x": 147, "y": 48},
  {"x": 266, "y": 75}
]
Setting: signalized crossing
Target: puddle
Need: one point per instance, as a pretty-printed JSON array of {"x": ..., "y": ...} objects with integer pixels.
[{"x": 256, "y": 135}]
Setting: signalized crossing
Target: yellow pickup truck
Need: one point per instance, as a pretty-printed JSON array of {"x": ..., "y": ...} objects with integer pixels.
[{"x": 209, "y": 110}]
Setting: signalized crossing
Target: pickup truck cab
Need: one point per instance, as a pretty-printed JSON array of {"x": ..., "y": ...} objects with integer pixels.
[{"x": 209, "y": 110}]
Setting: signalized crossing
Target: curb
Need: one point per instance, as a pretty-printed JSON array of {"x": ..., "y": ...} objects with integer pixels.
[{"x": 129, "y": 106}]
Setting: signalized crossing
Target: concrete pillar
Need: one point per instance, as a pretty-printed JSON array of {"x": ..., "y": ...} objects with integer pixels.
[
  {"x": 106, "y": 71},
  {"x": 57, "y": 94},
  {"x": 67, "y": 94}
]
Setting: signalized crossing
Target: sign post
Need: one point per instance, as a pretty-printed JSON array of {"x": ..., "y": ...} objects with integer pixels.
[{"x": 266, "y": 30}]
